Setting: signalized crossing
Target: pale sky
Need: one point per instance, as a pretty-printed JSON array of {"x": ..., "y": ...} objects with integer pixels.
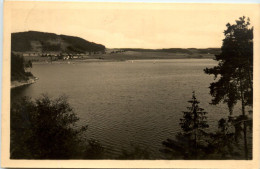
[{"x": 136, "y": 25}]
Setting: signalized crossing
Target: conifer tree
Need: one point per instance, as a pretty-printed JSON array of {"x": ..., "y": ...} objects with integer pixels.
[
  {"x": 190, "y": 143},
  {"x": 235, "y": 67},
  {"x": 235, "y": 70}
]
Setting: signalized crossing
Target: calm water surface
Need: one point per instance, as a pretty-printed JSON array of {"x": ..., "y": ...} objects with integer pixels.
[{"x": 128, "y": 104}]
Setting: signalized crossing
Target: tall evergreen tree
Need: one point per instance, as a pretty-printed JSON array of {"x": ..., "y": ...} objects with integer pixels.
[
  {"x": 190, "y": 142},
  {"x": 235, "y": 70}
]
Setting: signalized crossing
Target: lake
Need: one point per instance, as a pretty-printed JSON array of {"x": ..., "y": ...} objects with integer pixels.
[{"x": 129, "y": 104}]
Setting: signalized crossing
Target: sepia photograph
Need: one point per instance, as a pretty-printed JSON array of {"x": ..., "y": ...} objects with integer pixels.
[{"x": 130, "y": 81}]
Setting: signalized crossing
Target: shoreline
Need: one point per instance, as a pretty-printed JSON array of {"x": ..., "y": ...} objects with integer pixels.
[
  {"x": 17, "y": 84},
  {"x": 123, "y": 56},
  {"x": 110, "y": 60}
]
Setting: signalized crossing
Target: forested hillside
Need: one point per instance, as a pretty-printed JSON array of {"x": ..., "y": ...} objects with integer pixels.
[{"x": 33, "y": 41}]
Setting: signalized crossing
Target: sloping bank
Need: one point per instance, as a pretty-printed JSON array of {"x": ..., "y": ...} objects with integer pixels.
[{"x": 16, "y": 83}]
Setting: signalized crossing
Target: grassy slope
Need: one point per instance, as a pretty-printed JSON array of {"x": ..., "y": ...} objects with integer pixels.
[{"x": 134, "y": 55}]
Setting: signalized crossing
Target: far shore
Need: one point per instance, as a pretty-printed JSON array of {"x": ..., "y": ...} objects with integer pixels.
[
  {"x": 128, "y": 56},
  {"x": 76, "y": 61},
  {"x": 125, "y": 56}
]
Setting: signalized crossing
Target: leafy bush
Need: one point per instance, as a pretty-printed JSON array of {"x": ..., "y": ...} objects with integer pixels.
[{"x": 45, "y": 129}]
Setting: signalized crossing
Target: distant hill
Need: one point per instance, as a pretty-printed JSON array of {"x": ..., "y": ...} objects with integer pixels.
[
  {"x": 178, "y": 50},
  {"x": 33, "y": 41}
]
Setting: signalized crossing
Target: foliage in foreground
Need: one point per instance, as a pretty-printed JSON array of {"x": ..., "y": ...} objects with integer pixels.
[
  {"x": 194, "y": 142},
  {"x": 235, "y": 72},
  {"x": 136, "y": 153},
  {"x": 45, "y": 129},
  {"x": 190, "y": 143},
  {"x": 18, "y": 67}
]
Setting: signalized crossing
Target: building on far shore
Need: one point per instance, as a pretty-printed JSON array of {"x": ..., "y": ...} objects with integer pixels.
[{"x": 36, "y": 55}]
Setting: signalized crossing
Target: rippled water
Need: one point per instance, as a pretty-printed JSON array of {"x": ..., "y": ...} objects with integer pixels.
[{"x": 129, "y": 104}]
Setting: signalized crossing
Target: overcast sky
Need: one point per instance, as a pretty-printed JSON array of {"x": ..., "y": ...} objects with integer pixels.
[{"x": 132, "y": 25}]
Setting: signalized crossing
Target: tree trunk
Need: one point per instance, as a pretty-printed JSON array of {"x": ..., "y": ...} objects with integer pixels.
[
  {"x": 249, "y": 75},
  {"x": 196, "y": 139},
  {"x": 244, "y": 114},
  {"x": 245, "y": 140}
]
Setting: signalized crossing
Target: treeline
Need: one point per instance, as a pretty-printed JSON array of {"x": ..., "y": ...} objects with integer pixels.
[
  {"x": 24, "y": 42},
  {"x": 18, "y": 67}
]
